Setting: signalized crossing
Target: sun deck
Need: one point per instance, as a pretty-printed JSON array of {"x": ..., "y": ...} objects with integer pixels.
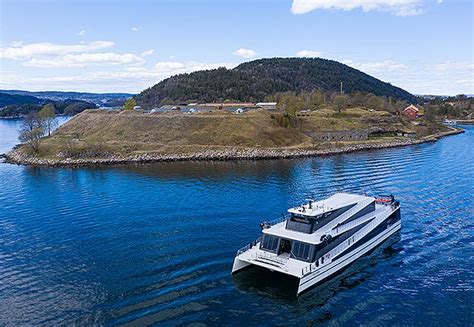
[
  {"x": 336, "y": 201},
  {"x": 316, "y": 218}
]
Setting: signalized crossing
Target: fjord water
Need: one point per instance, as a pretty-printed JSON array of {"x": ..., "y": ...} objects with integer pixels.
[{"x": 155, "y": 243}]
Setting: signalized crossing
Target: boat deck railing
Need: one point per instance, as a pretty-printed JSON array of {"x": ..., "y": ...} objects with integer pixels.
[
  {"x": 328, "y": 257},
  {"x": 342, "y": 218},
  {"x": 279, "y": 220},
  {"x": 270, "y": 223},
  {"x": 249, "y": 246},
  {"x": 350, "y": 225},
  {"x": 270, "y": 257}
]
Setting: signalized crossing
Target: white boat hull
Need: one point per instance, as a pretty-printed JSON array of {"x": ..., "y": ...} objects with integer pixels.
[
  {"x": 352, "y": 235},
  {"x": 325, "y": 272}
]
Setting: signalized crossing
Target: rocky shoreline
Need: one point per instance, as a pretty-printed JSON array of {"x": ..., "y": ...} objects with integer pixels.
[{"x": 17, "y": 156}]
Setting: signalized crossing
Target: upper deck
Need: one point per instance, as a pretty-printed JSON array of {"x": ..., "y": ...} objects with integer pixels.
[
  {"x": 334, "y": 202},
  {"x": 309, "y": 222}
]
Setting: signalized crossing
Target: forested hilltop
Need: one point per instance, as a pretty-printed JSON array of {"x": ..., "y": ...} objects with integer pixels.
[
  {"x": 16, "y": 105},
  {"x": 256, "y": 80}
]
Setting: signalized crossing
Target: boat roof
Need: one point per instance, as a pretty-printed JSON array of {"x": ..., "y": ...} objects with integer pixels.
[
  {"x": 335, "y": 201},
  {"x": 280, "y": 230}
]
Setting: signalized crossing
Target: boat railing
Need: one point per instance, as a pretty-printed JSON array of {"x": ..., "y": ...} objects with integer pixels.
[
  {"x": 271, "y": 257},
  {"x": 340, "y": 248},
  {"x": 349, "y": 213},
  {"x": 279, "y": 220},
  {"x": 348, "y": 226},
  {"x": 249, "y": 246}
]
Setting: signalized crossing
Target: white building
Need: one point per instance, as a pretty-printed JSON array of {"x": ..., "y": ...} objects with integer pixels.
[{"x": 267, "y": 105}]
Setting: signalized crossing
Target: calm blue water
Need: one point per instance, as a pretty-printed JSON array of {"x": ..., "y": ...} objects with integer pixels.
[{"x": 155, "y": 243}]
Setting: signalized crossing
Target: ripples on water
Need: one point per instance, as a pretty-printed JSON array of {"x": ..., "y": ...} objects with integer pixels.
[{"x": 155, "y": 243}]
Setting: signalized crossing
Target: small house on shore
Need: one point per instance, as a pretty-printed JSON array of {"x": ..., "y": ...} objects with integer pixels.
[
  {"x": 411, "y": 112},
  {"x": 267, "y": 105}
]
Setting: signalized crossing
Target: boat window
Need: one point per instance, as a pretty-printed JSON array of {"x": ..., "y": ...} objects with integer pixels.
[
  {"x": 301, "y": 251},
  {"x": 306, "y": 251},
  {"x": 269, "y": 243},
  {"x": 300, "y": 224}
]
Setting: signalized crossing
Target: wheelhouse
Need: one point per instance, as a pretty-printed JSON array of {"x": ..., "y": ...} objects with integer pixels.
[{"x": 295, "y": 249}]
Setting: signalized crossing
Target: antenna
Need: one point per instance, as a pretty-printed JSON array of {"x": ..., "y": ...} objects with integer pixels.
[{"x": 310, "y": 201}]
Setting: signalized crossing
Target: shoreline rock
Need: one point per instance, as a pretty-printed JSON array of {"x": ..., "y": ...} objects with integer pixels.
[{"x": 232, "y": 154}]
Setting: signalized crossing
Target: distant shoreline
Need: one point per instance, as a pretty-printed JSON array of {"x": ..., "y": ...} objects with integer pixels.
[
  {"x": 464, "y": 121},
  {"x": 23, "y": 116},
  {"x": 16, "y": 156}
]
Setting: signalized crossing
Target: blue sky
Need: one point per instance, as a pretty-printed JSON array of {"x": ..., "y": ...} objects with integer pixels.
[{"x": 424, "y": 46}]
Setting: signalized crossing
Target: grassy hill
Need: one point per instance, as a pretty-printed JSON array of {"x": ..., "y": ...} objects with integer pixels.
[
  {"x": 176, "y": 129},
  {"x": 253, "y": 81},
  {"x": 101, "y": 134}
]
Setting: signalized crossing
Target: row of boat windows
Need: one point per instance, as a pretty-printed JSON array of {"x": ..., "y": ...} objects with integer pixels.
[
  {"x": 309, "y": 225},
  {"x": 296, "y": 249},
  {"x": 270, "y": 243},
  {"x": 300, "y": 250}
]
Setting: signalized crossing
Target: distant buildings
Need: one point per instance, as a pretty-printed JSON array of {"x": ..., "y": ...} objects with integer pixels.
[
  {"x": 411, "y": 112},
  {"x": 226, "y": 105},
  {"x": 267, "y": 105},
  {"x": 235, "y": 107},
  {"x": 244, "y": 105}
]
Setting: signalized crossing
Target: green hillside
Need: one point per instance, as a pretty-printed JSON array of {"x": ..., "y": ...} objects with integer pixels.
[{"x": 253, "y": 81}]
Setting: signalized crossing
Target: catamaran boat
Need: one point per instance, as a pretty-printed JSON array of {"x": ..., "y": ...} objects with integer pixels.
[{"x": 319, "y": 238}]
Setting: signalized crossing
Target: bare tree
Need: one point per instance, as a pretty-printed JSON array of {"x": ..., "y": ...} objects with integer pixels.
[
  {"x": 31, "y": 131},
  {"x": 48, "y": 117},
  {"x": 341, "y": 102}
]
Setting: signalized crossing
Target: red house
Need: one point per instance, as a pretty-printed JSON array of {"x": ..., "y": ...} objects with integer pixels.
[{"x": 411, "y": 112}]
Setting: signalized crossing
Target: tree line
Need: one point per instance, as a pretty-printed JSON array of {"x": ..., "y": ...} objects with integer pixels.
[
  {"x": 459, "y": 106},
  {"x": 68, "y": 107},
  {"x": 292, "y": 102}
]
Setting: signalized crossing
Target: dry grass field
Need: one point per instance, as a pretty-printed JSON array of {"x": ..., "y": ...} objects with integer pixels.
[{"x": 96, "y": 132}]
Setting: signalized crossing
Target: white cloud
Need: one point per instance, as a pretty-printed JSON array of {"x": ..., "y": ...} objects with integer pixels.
[
  {"x": 377, "y": 66},
  {"x": 448, "y": 66},
  {"x": 308, "y": 53},
  {"x": 245, "y": 53},
  {"x": 443, "y": 78},
  {"x": 147, "y": 53},
  {"x": 83, "y": 59},
  {"x": 127, "y": 79},
  {"x": 50, "y": 55},
  {"x": 170, "y": 68},
  {"x": 396, "y": 7},
  {"x": 447, "y": 78},
  {"x": 81, "y": 33},
  {"x": 27, "y": 51},
  {"x": 136, "y": 28}
]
